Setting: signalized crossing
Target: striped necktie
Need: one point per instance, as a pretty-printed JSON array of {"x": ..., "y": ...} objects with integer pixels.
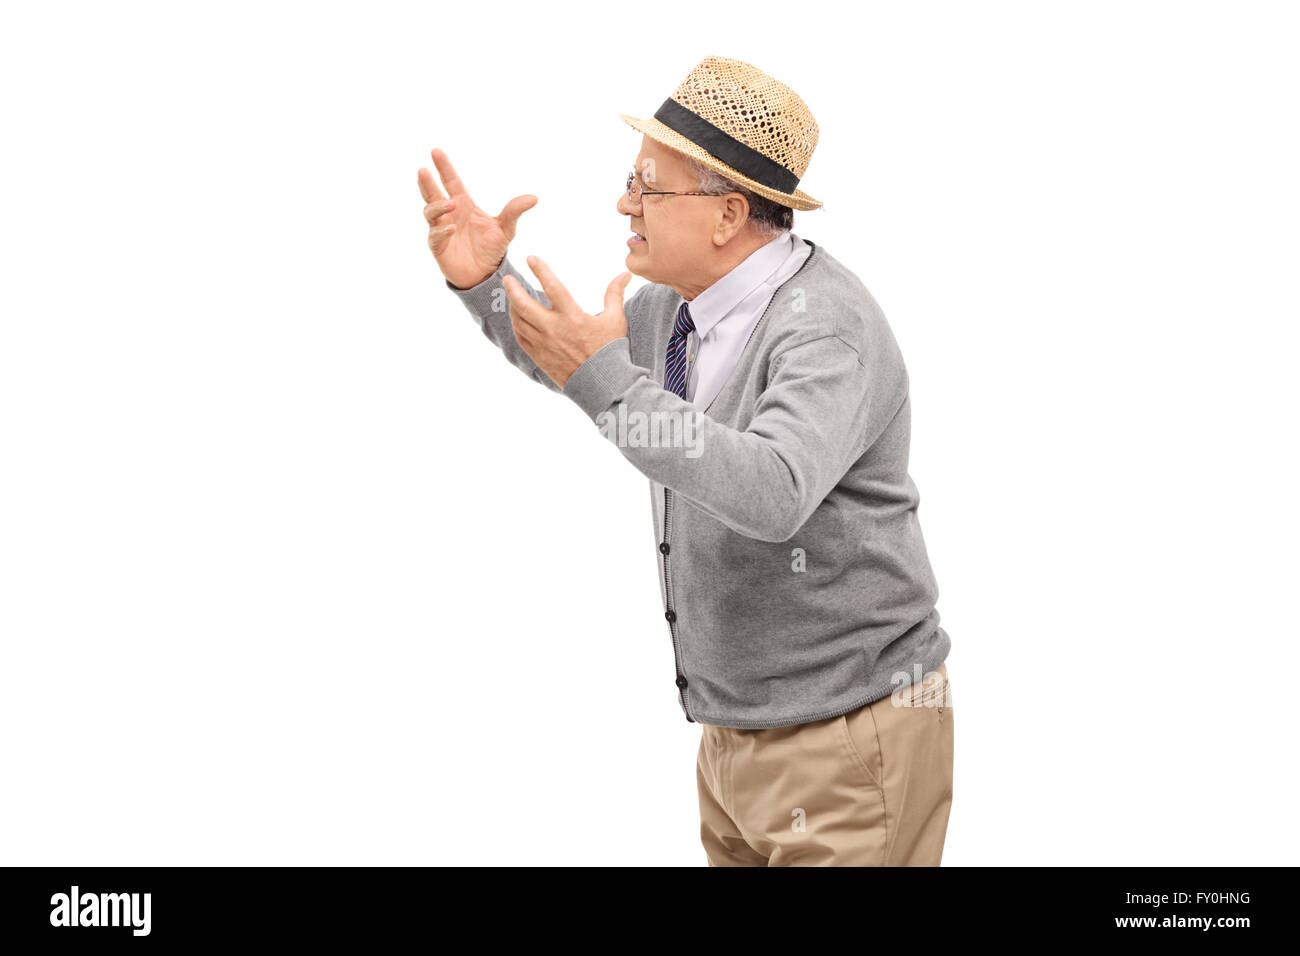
[{"x": 675, "y": 366}]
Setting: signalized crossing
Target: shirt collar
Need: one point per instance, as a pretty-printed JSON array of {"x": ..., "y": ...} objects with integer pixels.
[{"x": 716, "y": 302}]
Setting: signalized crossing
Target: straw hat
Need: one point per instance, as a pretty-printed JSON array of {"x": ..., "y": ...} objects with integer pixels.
[{"x": 739, "y": 121}]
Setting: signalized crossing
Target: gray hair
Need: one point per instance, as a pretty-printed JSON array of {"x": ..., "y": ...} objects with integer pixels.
[{"x": 766, "y": 217}]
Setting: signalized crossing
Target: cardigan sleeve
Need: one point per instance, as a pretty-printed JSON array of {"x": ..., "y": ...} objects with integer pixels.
[{"x": 823, "y": 406}]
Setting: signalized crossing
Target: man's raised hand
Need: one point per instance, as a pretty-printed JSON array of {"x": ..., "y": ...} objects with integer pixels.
[{"x": 466, "y": 242}]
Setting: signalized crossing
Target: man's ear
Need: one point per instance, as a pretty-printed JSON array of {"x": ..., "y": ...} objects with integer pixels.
[{"x": 735, "y": 216}]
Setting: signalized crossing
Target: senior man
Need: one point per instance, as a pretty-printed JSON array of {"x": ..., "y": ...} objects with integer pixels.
[{"x": 795, "y": 581}]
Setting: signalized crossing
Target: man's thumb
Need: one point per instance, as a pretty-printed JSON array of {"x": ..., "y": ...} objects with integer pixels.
[
  {"x": 515, "y": 208},
  {"x": 614, "y": 294}
]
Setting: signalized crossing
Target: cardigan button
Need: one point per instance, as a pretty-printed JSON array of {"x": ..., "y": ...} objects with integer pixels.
[
  {"x": 663, "y": 547},
  {"x": 671, "y": 615},
  {"x": 681, "y": 681}
]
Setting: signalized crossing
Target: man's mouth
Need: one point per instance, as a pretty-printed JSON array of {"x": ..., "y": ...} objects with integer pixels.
[{"x": 636, "y": 240}]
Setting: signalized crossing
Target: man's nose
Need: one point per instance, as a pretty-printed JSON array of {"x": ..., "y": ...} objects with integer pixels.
[{"x": 625, "y": 207}]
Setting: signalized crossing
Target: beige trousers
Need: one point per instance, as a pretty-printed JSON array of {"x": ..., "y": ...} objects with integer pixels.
[{"x": 872, "y": 787}]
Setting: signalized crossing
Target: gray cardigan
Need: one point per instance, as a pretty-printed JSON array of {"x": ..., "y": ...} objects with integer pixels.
[{"x": 794, "y": 576}]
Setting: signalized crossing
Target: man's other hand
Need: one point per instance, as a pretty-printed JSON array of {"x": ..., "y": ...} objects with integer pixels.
[{"x": 561, "y": 338}]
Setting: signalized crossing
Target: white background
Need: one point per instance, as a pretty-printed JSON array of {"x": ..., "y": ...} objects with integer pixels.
[{"x": 294, "y": 568}]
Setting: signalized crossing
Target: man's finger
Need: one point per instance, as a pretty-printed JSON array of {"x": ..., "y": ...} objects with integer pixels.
[
  {"x": 450, "y": 181},
  {"x": 526, "y": 333},
  {"x": 428, "y": 188},
  {"x": 554, "y": 289},
  {"x": 438, "y": 234},
  {"x": 523, "y": 331},
  {"x": 531, "y": 312},
  {"x": 439, "y": 207}
]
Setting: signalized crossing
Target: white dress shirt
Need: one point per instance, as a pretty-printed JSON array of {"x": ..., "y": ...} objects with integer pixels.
[{"x": 726, "y": 312}]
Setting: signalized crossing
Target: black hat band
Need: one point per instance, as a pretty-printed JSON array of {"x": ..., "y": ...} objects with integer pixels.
[{"x": 727, "y": 148}]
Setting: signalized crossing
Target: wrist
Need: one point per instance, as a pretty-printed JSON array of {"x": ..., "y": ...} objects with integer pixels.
[
  {"x": 602, "y": 377},
  {"x": 465, "y": 288}
]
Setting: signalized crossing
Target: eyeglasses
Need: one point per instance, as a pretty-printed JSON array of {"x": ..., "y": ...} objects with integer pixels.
[{"x": 635, "y": 192}]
